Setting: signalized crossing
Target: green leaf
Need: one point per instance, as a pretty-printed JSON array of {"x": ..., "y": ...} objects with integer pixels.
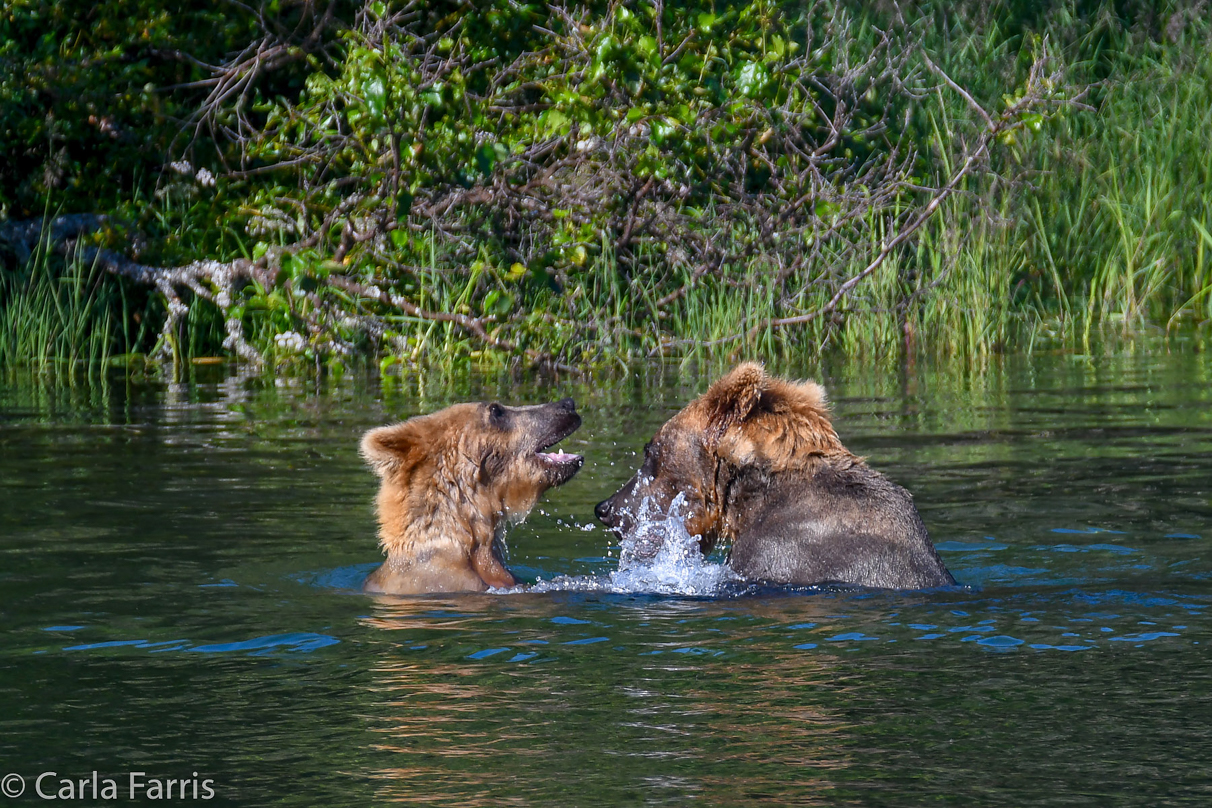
[
  {"x": 290, "y": 265},
  {"x": 376, "y": 95},
  {"x": 752, "y": 78},
  {"x": 556, "y": 122},
  {"x": 486, "y": 158},
  {"x": 497, "y": 302},
  {"x": 663, "y": 129},
  {"x": 606, "y": 48}
]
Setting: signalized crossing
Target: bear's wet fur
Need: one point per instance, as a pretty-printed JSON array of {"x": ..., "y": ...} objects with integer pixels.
[
  {"x": 451, "y": 481},
  {"x": 758, "y": 464}
]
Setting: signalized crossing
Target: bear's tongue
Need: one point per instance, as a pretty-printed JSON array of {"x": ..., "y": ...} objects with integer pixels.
[{"x": 556, "y": 457}]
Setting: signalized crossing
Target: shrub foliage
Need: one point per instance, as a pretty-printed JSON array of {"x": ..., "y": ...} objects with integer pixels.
[{"x": 577, "y": 181}]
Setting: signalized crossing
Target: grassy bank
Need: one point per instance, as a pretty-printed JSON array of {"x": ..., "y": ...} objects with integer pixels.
[
  {"x": 59, "y": 319},
  {"x": 640, "y": 186}
]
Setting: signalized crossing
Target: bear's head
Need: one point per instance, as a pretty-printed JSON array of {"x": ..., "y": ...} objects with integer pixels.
[
  {"x": 746, "y": 421},
  {"x": 463, "y": 469}
]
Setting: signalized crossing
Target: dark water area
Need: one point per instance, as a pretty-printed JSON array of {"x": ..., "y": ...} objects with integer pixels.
[{"x": 179, "y": 572}]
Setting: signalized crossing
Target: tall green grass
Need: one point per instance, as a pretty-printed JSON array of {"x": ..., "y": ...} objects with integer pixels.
[
  {"x": 1135, "y": 214},
  {"x": 1106, "y": 234},
  {"x": 1103, "y": 233},
  {"x": 57, "y": 318}
]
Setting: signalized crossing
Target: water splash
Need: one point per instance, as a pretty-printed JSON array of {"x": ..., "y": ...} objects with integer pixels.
[{"x": 660, "y": 558}]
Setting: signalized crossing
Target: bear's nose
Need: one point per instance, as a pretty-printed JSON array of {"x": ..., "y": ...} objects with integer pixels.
[
  {"x": 602, "y": 509},
  {"x": 567, "y": 404}
]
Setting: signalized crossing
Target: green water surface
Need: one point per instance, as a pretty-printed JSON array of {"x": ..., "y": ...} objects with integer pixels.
[{"x": 179, "y": 568}]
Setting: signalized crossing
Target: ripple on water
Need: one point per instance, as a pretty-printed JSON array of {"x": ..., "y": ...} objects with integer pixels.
[
  {"x": 135, "y": 546},
  {"x": 343, "y": 578},
  {"x": 294, "y": 643}
]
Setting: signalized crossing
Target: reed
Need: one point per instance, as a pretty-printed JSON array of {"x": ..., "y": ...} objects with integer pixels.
[
  {"x": 67, "y": 319},
  {"x": 1106, "y": 235},
  {"x": 1098, "y": 227}
]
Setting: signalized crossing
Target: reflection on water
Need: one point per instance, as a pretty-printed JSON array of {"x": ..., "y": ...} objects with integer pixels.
[
  {"x": 180, "y": 571},
  {"x": 654, "y": 721}
]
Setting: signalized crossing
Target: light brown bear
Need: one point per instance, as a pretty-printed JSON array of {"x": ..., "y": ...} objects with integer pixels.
[
  {"x": 452, "y": 481},
  {"x": 758, "y": 464}
]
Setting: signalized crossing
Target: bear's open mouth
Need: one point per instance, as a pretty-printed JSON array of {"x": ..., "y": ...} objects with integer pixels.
[{"x": 559, "y": 458}]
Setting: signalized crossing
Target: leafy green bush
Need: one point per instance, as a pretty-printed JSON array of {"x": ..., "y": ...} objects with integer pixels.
[{"x": 583, "y": 181}]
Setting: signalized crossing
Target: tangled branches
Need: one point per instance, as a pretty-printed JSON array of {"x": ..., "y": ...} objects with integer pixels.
[{"x": 549, "y": 182}]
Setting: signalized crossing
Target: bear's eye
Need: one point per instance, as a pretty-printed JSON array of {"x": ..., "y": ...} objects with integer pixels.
[
  {"x": 650, "y": 459},
  {"x": 497, "y": 413}
]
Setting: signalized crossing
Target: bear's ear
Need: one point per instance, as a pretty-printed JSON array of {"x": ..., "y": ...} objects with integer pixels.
[
  {"x": 387, "y": 448},
  {"x": 806, "y": 398},
  {"x": 787, "y": 430},
  {"x": 731, "y": 399}
]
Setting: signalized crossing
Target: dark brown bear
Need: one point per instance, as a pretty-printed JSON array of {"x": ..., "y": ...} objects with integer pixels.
[
  {"x": 452, "y": 481},
  {"x": 758, "y": 464}
]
